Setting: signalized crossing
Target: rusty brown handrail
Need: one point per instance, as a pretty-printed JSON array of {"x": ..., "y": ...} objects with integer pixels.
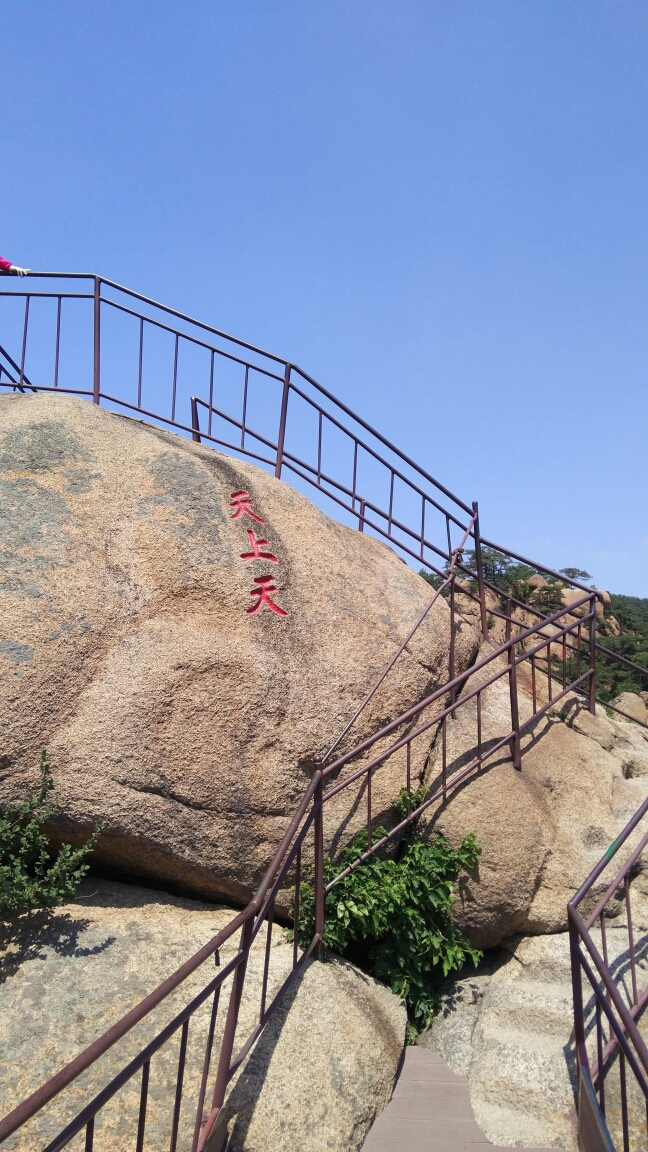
[{"x": 609, "y": 1000}]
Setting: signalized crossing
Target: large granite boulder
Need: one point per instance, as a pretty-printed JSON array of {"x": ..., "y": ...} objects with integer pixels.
[
  {"x": 632, "y": 704},
  {"x": 321, "y": 1071},
  {"x": 186, "y": 633}
]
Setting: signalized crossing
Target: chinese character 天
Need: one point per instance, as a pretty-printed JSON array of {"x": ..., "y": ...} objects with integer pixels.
[
  {"x": 266, "y": 586},
  {"x": 242, "y": 502}
]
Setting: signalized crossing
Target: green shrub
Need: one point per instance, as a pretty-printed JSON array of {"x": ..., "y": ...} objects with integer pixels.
[
  {"x": 392, "y": 917},
  {"x": 29, "y": 876}
]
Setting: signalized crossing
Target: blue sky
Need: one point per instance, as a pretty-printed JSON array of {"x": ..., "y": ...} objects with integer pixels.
[{"x": 439, "y": 210}]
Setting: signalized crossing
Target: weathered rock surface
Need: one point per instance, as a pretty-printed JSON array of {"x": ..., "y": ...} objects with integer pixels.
[
  {"x": 127, "y": 648},
  {"x": 320, "y": 1073},
  {"x": 543, "y": 829},
  {"x": 508, "y": 1027},
  {"x": 632, "y": 704}
]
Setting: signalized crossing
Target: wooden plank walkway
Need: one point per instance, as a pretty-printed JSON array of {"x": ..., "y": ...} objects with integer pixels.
[{"x": 429, "y": 1111}]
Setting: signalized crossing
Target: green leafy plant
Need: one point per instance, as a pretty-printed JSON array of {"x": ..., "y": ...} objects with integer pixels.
[
  {"x": 30, "y": 876},
  {"x": 392, "y": 916}
]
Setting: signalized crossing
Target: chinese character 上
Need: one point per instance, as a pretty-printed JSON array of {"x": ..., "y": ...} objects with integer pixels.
[
  {"x": 242, "y": 502},
  {"x": 263, "y": 596},
  {"x": 256, "y": 553}
]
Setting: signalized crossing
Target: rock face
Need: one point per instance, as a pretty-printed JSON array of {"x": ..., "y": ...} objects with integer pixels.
[
  {"x": 321, "y": 1071},
  {"x": 186, "y": 634},
  {"x": 543, "y": 829}
]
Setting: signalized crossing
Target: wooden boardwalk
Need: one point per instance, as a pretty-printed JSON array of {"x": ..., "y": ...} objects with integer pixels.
[{"x": 429, "y": 1111}]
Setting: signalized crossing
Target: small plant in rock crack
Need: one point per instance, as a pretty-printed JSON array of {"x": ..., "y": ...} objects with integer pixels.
[
  {"x": 30, "y": 876},
  {"x": 392, "y": 917}
]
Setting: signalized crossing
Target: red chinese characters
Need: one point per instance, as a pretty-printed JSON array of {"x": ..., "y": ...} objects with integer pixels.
[
  {"x": 262, "y": 593},
  {"x": 243, "y": 505},
  {"x": 242, "y": 502},
  {"x": 256, "y": 546}
]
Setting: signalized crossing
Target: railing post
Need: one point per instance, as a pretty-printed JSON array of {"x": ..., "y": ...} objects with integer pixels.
[
  {"x": 451, "y": 668},
  {"x": 480, "y": 573},
  {"x": 577, "y": 996},
  {"x": 282, "y": 422},
  {"x": 229, "y": 1033},
  {"x": 516, "y": 752},
  {"x": 361, "y": 519},
  {"x": 592, "y": 656},
  {"x": 195, "y": 435},
  {"x": 318, "y": 825},
  {"x": 96, "y": 381}
]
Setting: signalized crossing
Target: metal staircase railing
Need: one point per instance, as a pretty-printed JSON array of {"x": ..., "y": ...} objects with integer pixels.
[{"x": 417, "y": 515}]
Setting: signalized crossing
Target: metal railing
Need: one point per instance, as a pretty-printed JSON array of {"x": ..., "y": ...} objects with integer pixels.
[
  {"x": 413, "y": 497},
  {"x": 291, "y": 863},
  {"x": 199, "y": 1119},
  {"x": 609, "y": 993},
  {"x": 254, "y": 404},
  {"x": 282, "y": 418}
]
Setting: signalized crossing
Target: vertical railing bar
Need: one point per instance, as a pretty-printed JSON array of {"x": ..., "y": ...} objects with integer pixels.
[
  {"x": 296, "y": 908},
  {"x": 564, "y": 661},
  {"x": 266, "y": 964},
  {"x": 141, "y": 363},
  {"x": 633, "y": 966},
  {"x": 599, "y": 1056},
  {"x": 206, "y": 1065},
  {"x": 480, "y": 571},
  {"x": 179, "y": 1083},
  {"x": 318, "y": 834},
  {"x": 96, "y": 366},
  {"x": 422, "y": 525},
  {"x": 369, "y": 808},
  {"x": 58, "y": 342},
  {"x": 533, "y": 683},
  {"x": 605, "y": 951},
  {"x": 141, "y": 1121},
  {"x": 592, "y": 656},
  {"x": 444, "y": 753},
  {"x": 391, "y": 504},
  {"x": 89, "y": 1140},
  {"x": 175, "y": 376},
  {"x": 227, "y": 1043},
  {"x": 516, "y": 754},
  {"x": 355, "y": 474},
  {"x": 319, "y": 448},
  {"x": 24, "y": 341},
  {"x": 245, "y": 396},
  {"x": 578, "y": 650},
  {"x": 479, "y": 726},
  {"x": 549, "y": 686},
  {"x": 361, "y": 521},
  {"x": 624, "y": 1100},
  {"x": 283, "y": 416},
  {"x": 211, "y": 394},
  {"x": 452, "y": 645},
  {"x": 448, "y": 534}
]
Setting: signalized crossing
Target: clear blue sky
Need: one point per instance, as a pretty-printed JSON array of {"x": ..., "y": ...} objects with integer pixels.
[{"x": 437, "y": 209}]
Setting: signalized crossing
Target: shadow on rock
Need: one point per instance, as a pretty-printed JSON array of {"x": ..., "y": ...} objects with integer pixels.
[{"x": 24, "y": 937}]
